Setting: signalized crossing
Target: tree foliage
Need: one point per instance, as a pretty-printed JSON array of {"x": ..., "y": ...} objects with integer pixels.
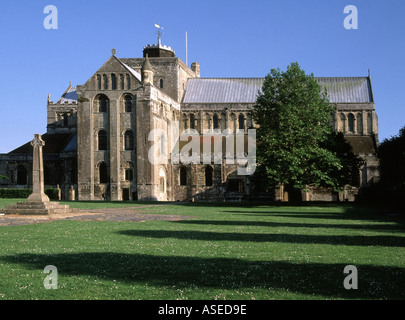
[
  {"x": 296, "y": 145},
  {"x": 391, "y": 155}
]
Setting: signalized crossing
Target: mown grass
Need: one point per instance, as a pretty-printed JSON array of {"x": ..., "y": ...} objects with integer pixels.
[{"x": 227, "y": 251}]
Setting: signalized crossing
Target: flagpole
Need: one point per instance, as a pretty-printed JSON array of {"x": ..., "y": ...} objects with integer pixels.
[{"x": 186, "y": 51}]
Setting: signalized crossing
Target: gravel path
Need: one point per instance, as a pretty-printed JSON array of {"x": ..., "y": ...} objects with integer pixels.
[{"x": 135, "y": 214}]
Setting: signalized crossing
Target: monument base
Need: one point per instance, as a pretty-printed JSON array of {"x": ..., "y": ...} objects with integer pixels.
[
  {"x": 37, "y": 208},
  {"x": 38, "y": 197}
]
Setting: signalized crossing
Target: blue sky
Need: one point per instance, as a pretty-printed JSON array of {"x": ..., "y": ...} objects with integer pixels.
[{"x": 230, "y": 38}]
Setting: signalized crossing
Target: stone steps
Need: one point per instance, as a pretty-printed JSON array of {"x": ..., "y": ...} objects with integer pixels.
[{"x": 37, "y": 208}]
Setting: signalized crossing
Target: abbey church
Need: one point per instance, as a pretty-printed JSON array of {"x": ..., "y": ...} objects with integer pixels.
[{"x": 103, "y": 135}]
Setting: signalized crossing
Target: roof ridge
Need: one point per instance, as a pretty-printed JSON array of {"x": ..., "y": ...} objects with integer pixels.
[
  {"x": 225, "y": 78},
  {"x": 133, "y": 72}
]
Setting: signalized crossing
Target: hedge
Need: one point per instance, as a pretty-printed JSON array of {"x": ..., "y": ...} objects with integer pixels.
[{"x": 25, "y": 193}]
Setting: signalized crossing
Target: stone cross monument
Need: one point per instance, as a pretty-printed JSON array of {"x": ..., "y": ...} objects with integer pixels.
[
  {"x": 38, "y": 194},
  {"x": 38, "y": 202}
]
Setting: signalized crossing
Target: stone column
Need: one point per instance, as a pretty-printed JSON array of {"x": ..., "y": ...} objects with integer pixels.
[
  {"x": 115, "y": 151},
  {"x": 38, "y": 194}
]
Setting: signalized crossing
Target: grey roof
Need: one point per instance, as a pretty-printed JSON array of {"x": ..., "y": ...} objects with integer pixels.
[
  {"x": 69, "y": 96},
  {"x": 347, "y": 89},
  {"x": 72, "y": 144},
  {"x": 245, "y": 90},
  {"x": 233, "y": 90}
]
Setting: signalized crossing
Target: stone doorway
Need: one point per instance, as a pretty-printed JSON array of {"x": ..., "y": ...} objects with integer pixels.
[{"x": 125, "y": 195}]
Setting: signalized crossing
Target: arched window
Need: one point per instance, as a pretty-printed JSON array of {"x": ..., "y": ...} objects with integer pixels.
[
  {"x": 209, "y": 176},
  {"x": 241, "y": 120},
  {"x": 192, "y": 121},
  {"x": 102, "y": 140},
  {"x": 128, "y": 82},
  {"x": 103, "y": 173},
  {"x": 105, "y": 80},
  {"x": 98, "y": 82},
  {"x": 215, "y": 121},
  {"x": 161, "y": 84},
  {"x": 113, "y": 82},
  {"x": 350, "y": 123},
  {"x": 128, "y": 104},
  {"x": 183, "y": 176},
  {"x": 129, "y": 140},
  {"x": 102, "y": 103},
  {"x": 21, "y": 175}
]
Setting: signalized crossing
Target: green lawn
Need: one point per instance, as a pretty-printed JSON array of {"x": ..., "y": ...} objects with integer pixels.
[{"x": 228, "y": 251}]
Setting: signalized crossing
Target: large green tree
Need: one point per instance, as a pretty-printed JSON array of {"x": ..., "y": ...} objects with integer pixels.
[
  {"x": 390, "y": 189},
  {"x": 391, "y": 155},
  {"x": 296, "y": 145}
]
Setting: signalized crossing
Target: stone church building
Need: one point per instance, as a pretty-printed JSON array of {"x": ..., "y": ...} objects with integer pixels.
[{"x": 100, "y": 135}]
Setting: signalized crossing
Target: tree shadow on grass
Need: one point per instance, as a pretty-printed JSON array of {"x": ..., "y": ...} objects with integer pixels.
[
  {"x": 373, "y": 227},
  {"x": 223, "y": 273},
  {"x": 350, "y": 240},
  {"x": 350, "y": 213}
]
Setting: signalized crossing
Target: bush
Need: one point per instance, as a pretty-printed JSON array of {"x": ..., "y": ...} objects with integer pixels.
[
  {"x": 25, "y": 193},
  {"x": 15, "y": 193},
  {"x": 52, "y": 193}
]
